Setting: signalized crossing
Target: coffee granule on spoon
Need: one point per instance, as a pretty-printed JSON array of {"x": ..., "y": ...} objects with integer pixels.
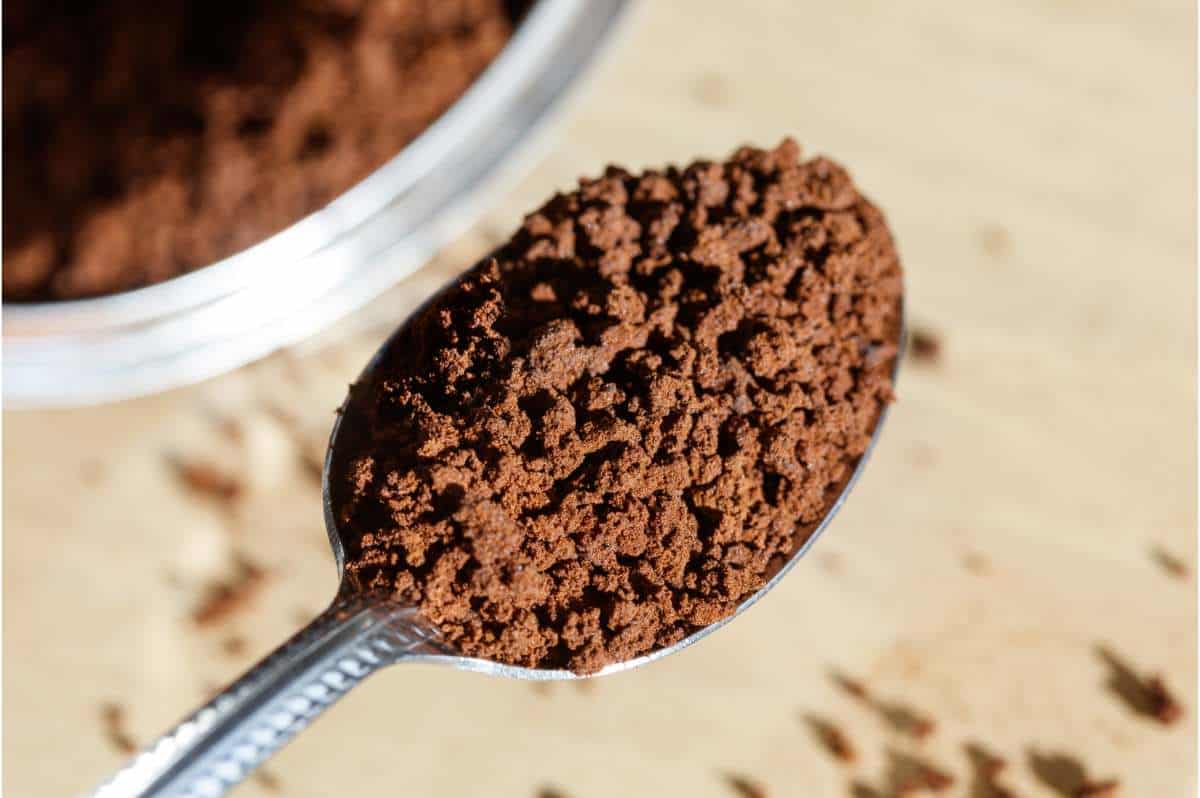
[{"x": 617, "y": 428}]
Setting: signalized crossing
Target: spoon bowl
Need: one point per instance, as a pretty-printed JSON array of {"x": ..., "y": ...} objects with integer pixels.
[
  {"x": 220, "y": 744},
  {"x": 343, "y": 428}
]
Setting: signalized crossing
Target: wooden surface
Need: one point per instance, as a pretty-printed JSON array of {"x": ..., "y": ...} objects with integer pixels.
[{"x": 1036, "y": 160}]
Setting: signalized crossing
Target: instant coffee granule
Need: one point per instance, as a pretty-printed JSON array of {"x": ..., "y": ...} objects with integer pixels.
[
  {"x": 143, "y": 140},
  {"x": 617, "y": 428}
]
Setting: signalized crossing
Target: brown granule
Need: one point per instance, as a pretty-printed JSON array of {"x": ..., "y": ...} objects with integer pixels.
[
  {"x": 853, "y": 687},
  {"x": 860, "y": 789},
  {"x": 234, "y": 645},
  {"x": 1147, "y": 696},
  {"x": 745, "y": 787},
  {"x": 1174, "y": 566},
  {"x": 1108, "y": 788},
  {"x": 986, "y": 768},
  {"x": 145, "y": 140},
  {"x": 907, "y": 721},
  {"x": 550, "y": 792},
  {"x": 205, "y": 479},
  {"x": 986, "y": 764},
  {"x": 1066, "y": 775},
  {"x": 925, "y": 345},
  {"x": 1163, "y": 705},
  {"x": 899, "y": 716},
  {"x": 833, "y": 739},
  {"x": 977, "y": 563},
  {"x": 112, "y": 716},
  {"x": 908, "y": 774},
  {"x": 268, "y": 780},
  {"x": 615, "y": 430},
  {"x": 226, "y": 597},
  {"x": 231, "y": 430}
]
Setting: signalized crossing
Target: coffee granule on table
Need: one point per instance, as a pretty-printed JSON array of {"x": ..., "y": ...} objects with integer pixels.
[
  {"x": 205, "y": 479},
  {"x": 1148, "y": 696},
  {"x": 112, "y": 715},
  {"x": 908, "y": 775},
  {"x": 926, "y": 346},
  {"x": 225, "y": 598},
  {"x": 745, "y": 787},
  {"x": 987, "y": 768},
  {"x": 144, "y": 140},
  {"x": 1163, "y": 705},
  {"x": 833, "y": 739},
  {"x": 268, "y": 780},
  {"x": 1174, "y": 566},
  {"x": 899, "y": 716},
  {"x": 1099, "y": 789},
  {"x": 616, "y": 429}
]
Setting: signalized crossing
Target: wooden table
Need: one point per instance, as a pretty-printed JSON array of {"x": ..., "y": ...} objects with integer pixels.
[{"x": 1037, "y": 161}]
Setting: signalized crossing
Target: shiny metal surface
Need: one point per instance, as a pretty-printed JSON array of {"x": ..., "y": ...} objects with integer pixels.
[
  {"x": 306, "y": 277},
  {"x": 220, "y": 744}
]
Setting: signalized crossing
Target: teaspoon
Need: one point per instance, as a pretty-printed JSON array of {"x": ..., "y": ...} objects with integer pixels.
[{"x": 220, "y": 744}]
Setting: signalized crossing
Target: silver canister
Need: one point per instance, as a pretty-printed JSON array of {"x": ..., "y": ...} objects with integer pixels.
[{"x": 324, "y": 266}]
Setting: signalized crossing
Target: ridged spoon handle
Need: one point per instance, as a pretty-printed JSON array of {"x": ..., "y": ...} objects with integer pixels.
[{"x": 220, "y": 744}]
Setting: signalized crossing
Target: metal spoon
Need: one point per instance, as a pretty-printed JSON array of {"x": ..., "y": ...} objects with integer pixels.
[{"x": 221, "y": 744}]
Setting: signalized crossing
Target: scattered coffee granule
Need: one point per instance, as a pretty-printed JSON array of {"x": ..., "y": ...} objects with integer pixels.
[
  {"x": 1173, "y": 565},
  {"x": 267, "y": 780},
  {"x": 745, "y": 787},
  {"x": 925, "y": 345},
  {"x": 1162, "y": 702},
  {"x": 112, "y": 715},
  {"x": 550, "y": 792},
  {"x": 908, "y": 774},
  {"x": 145, "y": 140},
  {"x": 986, "y": 768},
  {"x": 227, "y": 597},
  {"x": 907, "y": 721},
  {"x": 1067, "y": 776},
  {"x": 231, "y": 430},
  {"x": 977, "y": 563},
  {"x": 206, "y": 479},
  {"x": 832, "y": 738},
  {"x": 615, "y": 430},
  {"x": 852, "y": 686},
  {"x": 901, "y": 717},
  {"x": 1147, "y": 696},
  {"x": 234, "y": 645},
  {"x": 860, "y": 789},
  {"x": 1107, "y": 788},
  {"x": 984, "y": 762}
]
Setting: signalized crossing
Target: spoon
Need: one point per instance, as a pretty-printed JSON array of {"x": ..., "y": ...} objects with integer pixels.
[{"x": 221, "y": 744}]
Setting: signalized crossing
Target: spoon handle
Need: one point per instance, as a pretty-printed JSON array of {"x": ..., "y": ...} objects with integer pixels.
[{"x": 220, "y": 744}]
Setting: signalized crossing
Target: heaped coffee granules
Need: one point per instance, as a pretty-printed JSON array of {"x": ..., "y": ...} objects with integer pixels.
[
  {"x": 613, "y": 431},
  {"x": 147, "y": 139}
]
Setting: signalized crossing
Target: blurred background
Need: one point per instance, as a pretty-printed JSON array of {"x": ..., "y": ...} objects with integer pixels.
[{"x": 1014, "y": 570}]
